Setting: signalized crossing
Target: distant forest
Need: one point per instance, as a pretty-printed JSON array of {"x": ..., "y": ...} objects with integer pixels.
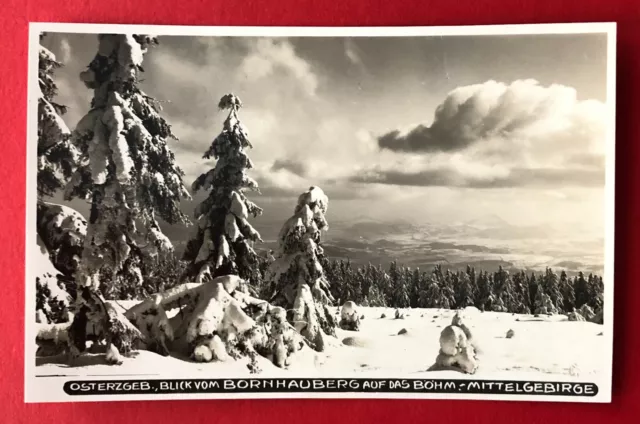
[
  {"x": 501, "y": 291},
  {"x": 398, "y": 286}
]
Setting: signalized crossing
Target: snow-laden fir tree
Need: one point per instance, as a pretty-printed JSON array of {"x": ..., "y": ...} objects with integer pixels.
[
  {"x": 223, "y": 239},
  {"x": 56, "y": 158},
  {"x": 126, "y": 171},
  {"x": 56, "y": 154},
  {"x": 464, "y": 290},
  {"x": 297, "y": 278},
  {"x": 551, "y": 287},
  {"x": 567, "y": 292}
]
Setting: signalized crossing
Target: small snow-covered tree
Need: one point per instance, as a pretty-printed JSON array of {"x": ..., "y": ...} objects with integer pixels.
[
  {"x": 581, "y": 290},
  {"x": 567, "y": 292},
  {"x": 431, "y": 295},
  {"x": 223, "y": 238},
  {"x": 126, "y": 171},
  {"x": 551, "y": 287},
  {"x": 521, "y": 288},
  {"x": 56, "y": 154},
  {"x": 401, "y": 295},
  {"x": 483, "y": 298},
  {"x": 464, "y": 290},
  {"x": 296, "y": 276}
]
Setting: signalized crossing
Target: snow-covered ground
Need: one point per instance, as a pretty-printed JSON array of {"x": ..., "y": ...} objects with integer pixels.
[{"x": 544, "y": 348}]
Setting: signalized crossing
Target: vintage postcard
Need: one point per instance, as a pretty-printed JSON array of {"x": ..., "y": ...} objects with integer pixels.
[{"x": 252, "y": 212}]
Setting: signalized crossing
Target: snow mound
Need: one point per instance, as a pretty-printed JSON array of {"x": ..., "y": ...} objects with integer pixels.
[{"x": 471, "y": 311}]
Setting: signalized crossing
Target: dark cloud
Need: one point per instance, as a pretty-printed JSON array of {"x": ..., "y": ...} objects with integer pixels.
[
  {"x": 334, "y": 188},
  {"x": 517, "y": 177},
  {"x": 423, "y": 139},
  {"x": 426, "y": 178}
]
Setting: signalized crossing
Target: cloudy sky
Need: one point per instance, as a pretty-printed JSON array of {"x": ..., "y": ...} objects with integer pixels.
[{"x": 422, "y": 129}]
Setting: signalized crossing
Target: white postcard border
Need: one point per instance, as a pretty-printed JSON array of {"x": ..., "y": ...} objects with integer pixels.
[{"x": 49, "y": 389}]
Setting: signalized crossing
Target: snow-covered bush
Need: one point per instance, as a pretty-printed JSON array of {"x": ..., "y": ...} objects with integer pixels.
[
  {"x": 52, "y": 299},
  {"x": 589, "y": 315},
  {"x": 544, "y": 305},
  {"x": 349, "y": 318},
  {"x": 456, "y": 351},
  {"x": 217, "y": 321},
  {"x": 498, "y": 305},
  {"x": 223, "y": 238},
  {"x": 575, "y": 316},
  {"x": 459, "y": 320},
  {"x": 296, "y": 276}
]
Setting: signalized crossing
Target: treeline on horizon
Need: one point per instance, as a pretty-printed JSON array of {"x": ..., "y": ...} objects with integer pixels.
[
  {"x": 502, "y": 291},
  {"x": 399, "y": 286}
]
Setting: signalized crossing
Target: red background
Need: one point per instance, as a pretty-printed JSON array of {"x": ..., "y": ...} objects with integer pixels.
[{"x": 14, "y": 18}]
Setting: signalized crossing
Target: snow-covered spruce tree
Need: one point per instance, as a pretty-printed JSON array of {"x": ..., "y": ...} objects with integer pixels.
[
  {"x": 551, "y": 287},
  {"x": 56, "y": 154},
  {"x": 567, "y": 292},
  {"x": 464, "y": 290},
  {"x": 129, "y": 175},
  {"x": 297, "y": 278},
  {"x": 581, "y": 290},
  {"x": 223, "y": 238},
  {"x": 56, "y": 158},
  {"x": 485, "y": 289}
]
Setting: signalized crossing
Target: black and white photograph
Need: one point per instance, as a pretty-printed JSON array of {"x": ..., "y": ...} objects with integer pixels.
[{"x": 269, "y": 212}]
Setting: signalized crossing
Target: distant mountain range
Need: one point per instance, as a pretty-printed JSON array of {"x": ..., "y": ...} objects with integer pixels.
[{"x": 485, "y": 244}]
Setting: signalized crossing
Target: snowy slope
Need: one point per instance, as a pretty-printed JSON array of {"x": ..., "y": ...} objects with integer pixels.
[{"x": 542, "y": 349}]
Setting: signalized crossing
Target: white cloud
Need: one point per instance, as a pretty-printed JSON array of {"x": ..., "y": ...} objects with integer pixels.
[
  {"x": 495, "y": 135},
  {"x": 269, "y": 56},
  {"x": 556, "y": 194},
  {"x": 65, "y": 50},
  {"x": 180, "y": 70},
  {"x": 351, "y": 51}
]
